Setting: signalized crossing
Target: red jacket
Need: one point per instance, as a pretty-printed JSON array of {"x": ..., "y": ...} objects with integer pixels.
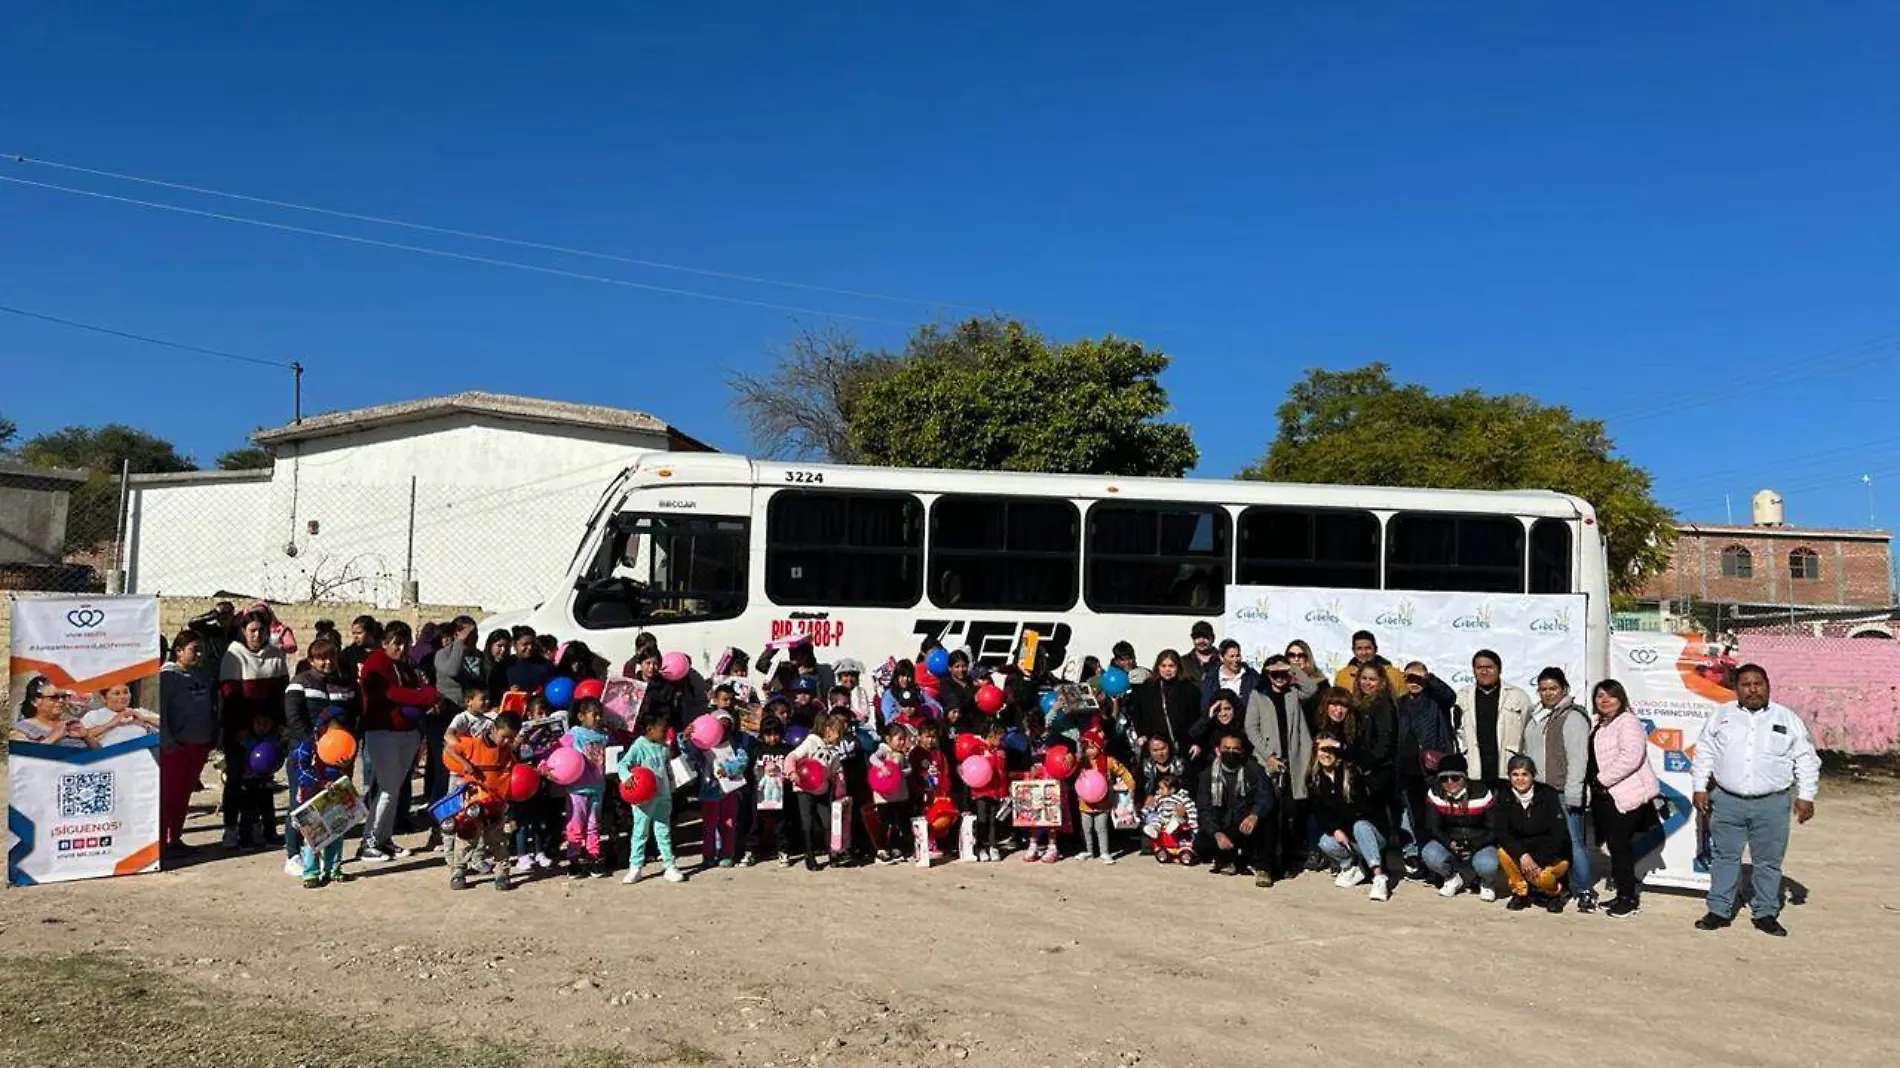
[
  {"x": 998, "y": 789},
  {"x": 387, "y": 686}
]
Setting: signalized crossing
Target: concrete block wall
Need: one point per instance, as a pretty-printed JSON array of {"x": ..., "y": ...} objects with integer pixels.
[{"x": 1846, "y": 689}]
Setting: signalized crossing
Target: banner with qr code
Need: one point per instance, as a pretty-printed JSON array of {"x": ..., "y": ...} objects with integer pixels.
[{"x": 82, "y": 770}]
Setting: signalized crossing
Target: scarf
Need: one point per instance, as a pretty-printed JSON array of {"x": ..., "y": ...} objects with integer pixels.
[
  {"x": 1524, "y": 796},
  {"x": 1223, "y": 779}
]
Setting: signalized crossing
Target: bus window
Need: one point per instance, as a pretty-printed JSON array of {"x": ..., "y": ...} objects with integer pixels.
[
  {"x": 844, "y": 549},
  {"x": 665, "y": 569},
  {"x": 1004, "y": 553},
  {"x": 1550, "y": 557},
  {"x": 1464, "y": 553},
  {"x": 1309, "y": 547},
  {"x": 1158, "y": 558}
]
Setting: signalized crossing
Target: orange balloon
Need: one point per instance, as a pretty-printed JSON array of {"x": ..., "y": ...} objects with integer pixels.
[{"x": 336, "y": 747}]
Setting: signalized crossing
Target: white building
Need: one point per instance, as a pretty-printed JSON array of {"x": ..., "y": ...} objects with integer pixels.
[{"x": 476, "y": 498}]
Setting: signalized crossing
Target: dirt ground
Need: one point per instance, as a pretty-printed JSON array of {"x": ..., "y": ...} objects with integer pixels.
[{"x": 1006, "y": 964}]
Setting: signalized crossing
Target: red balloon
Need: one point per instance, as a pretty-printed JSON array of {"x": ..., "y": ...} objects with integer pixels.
[
  {"x": 523, "y": 782},
  {"x": 989, "y": 699},
  {"x": 589, "y": 688},
  {"x": 639, "y": 786},
  {"x": 1059, "y": 762},
  {"x": 967, "y": 746},
  {"x": 812, "y": 775}
]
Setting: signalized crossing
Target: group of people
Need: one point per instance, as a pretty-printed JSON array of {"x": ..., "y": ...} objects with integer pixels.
[{"x": 1381, "y": 774}]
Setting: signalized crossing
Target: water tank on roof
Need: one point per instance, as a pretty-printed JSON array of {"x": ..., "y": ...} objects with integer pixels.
[{"x": 1767, "y": 508}]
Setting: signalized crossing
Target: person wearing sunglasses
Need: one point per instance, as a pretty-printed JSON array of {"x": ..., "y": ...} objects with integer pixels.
[
  {"x": 1425, "y": 737},
  {"x": 1283, "y": 743},
  {"x": 44, "y": 719},
  {"x": 1460, "y": 845}
]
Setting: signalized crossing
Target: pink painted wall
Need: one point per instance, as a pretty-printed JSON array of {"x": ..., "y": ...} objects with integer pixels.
[{"x": 1847, "y": 689}]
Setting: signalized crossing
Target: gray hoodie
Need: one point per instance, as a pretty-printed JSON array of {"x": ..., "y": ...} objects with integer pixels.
[{"x": 1562, "y": 759}]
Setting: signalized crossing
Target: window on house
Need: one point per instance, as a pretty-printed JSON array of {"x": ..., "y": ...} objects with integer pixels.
[
  {"x": 1737, "y": 562},
  {"x": 1804, "y": 564}
]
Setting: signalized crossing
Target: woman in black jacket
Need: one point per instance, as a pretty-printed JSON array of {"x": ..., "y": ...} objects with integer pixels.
[
  {"x": 1533, "y": 839},
  {"x": 1223, "y": 715},
  {"x": 1166, "y": 704},
  {"x": 1348, "y": 834},
  {"x": 1377, "y": 751}
]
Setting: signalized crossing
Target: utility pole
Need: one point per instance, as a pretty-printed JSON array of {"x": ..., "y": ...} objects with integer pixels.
[{"x": 296, "y": 392}]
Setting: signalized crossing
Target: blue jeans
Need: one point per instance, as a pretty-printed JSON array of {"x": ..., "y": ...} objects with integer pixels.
[
  {"x": 1580, "y": 881},
  {"x": 1761, "y": 824},
  {"x": 1481, "y": 869},
  {"x": 326, "y": 861},
  {"x": 1365, "y": 838}
]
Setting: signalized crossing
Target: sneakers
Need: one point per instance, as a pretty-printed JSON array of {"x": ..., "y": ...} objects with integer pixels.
[
  {"x": 293, "y": 867},
  {"x": 337, "y": 876},
  {"x": 503, "y": 883},
  {"x": 749, "y": 859},
  {"x": 1350, "y": 876},
  {"x": 1452, "y": 886},
  {"x": 1518, "y": 904},
  {"x": 1487, "y": 894},
  {"x": 1768, "y": 925},
  {"x": 1216, "y": 868},
  {"x": 1711, "y": 922},
  {"x": 1381, "y": 888},
  {"x": 395, "y": 850},
  {"x": 1051, "y": 855},
  {"x": 601, "y": 869},
  {"x": 725, "y": 862},
  {"x": 543, "y": 860},
  {"x": 375, "y": 854},
  {"x": 524, "y": 865},
  {"x": 992, "y": 855},
  {"x": 673, "y": 875},
  {"x": 1416, "y": 872},
  {"x": 1555, "y": 905},
  {"x": 1622, "y": 907},
  {"x": 230, "y": 839},
  {"x": 632, "y": 876},
  {"x": 458, "y": 880},
  {"x": 1263, "y": 879},
  {"x": 885, "y": 856},
  {"x": 576, "y": 870},
  {"x": 1108, "y": 858},
  {"x": 784, "y": 860},
  {"x": 1586, "y": 902},
  {"x": 1032, "y": 854},
  {"x": 312, "y": 882}
]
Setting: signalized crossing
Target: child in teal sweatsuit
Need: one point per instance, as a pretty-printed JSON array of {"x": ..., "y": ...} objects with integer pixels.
[{"x": 649, "y": 751}]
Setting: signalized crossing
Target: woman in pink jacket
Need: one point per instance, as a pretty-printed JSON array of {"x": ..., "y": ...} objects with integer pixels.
[{"x": 1622, "y": 785}]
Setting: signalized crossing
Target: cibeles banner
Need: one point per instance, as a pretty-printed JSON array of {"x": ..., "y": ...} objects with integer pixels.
[
  {"x": 1675, "y": 683},
  {"x": 1529, "y": 631},
  {"x": 83, "y": 771}
]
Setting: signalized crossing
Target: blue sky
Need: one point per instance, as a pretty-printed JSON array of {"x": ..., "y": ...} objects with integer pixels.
[{"x": 1677, "y": 217}]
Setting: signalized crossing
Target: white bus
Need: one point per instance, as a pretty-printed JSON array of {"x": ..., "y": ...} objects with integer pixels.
[{"x": 711, "y": 550}]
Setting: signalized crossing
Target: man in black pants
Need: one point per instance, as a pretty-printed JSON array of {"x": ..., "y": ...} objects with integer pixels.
[{"x": 1236, "y": 798}]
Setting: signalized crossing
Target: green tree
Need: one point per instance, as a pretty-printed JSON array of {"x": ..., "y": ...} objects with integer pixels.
[
  {"x": 8, "y": 431},
  {"x": 248, "y": 458},
  {"x": 1358, "y": 427},
  {"x": 93, "y": 513},
  {"x": 994, "y": 395}
]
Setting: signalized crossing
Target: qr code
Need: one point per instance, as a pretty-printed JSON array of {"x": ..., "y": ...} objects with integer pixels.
[{"x": 84, "y": 794}]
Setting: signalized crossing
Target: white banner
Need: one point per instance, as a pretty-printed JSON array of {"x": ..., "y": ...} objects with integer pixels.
[
  {"x": 1675, "y": 683},
  {"x": 83, "y": 774},
  {"x": 1530, "y": 632}
]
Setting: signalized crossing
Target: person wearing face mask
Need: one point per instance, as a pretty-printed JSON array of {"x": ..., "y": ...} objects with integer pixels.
[
  {"x": 1557, "y": 738},
  {"x": 1493, "y": 710},
  {"x": 1232, "y": 674},
  {"x": 1236, "y": 801},
  {"x": 1277, "y": 729},
  {"x": 1750, "y": 757}
]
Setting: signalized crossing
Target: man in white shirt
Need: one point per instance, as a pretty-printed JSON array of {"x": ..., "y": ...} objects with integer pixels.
[{"x": 1754, "y": 752}]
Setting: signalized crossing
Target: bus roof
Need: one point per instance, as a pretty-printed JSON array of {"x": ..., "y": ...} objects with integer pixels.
[{"x": 731, "y": 469}]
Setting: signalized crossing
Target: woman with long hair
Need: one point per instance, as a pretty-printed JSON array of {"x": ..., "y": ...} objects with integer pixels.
[
  {"x": 1335, "y": 796},
  {"x": 1622, "y": 785},
  {"x": 1378, "y": 750},
  {"x": 1164, "y": 705},
  {"x": 1223, "y": 716}
]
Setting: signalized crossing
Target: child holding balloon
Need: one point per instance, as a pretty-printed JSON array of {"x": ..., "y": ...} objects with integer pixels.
[
  {"x": 983, "y": 771},
  {"x": 483, "y": 768},
  {"x": 642, "y": 768},
  {"x": 1094, "y": 795},
  {"x": 889, "y": 779},
  {"x": 710, "y": 744},
  {"x": 262, "y": 744},
  {"x": 538, "y": 820},
  {"x": 586, "y": 738},
  {"x": 315, "y": 763},
  {"x": 817, "y": 764}
]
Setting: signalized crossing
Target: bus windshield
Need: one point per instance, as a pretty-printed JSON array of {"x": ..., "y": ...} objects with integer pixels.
[{"x": 665, "y": 569}]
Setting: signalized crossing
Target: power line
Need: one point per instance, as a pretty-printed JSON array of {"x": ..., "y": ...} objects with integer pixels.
[
  {"x": 476, "y": 235},
  {"x": 1854, "y": 355},
  {"x": 148, "y": 339},
  {"x": 464, "y": 257}
]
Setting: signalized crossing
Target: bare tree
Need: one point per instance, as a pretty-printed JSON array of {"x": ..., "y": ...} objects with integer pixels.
[{"x": 802, "y": 407}]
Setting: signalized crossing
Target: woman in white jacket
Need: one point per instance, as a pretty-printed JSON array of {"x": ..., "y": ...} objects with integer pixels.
[{"x": 1491, "y": 714}]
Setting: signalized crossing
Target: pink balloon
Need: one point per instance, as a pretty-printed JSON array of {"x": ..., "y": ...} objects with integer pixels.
[
  {"x": 976, "y": 772},
  {"x": 1091, "y": 786},
  {"x": 886, "y": 778},
  {"x": 675, "y": 666},
  {"x": 566, "y": 766},
  {"x": 706, "y": 731}
]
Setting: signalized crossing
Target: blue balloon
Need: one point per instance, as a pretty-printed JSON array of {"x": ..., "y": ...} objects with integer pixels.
[
  {"x": 795, "y": 734},
  {"x": 559, "y": 691},
  {"x": 265, "y": 757},
  {"x": 867, "y": 741},
  {"x": 1114, "y": 682},
  {"x": 1016, "y": 741},
  {"x": 938, "y": 662},
  {"x": 1048, "y": 701}
]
